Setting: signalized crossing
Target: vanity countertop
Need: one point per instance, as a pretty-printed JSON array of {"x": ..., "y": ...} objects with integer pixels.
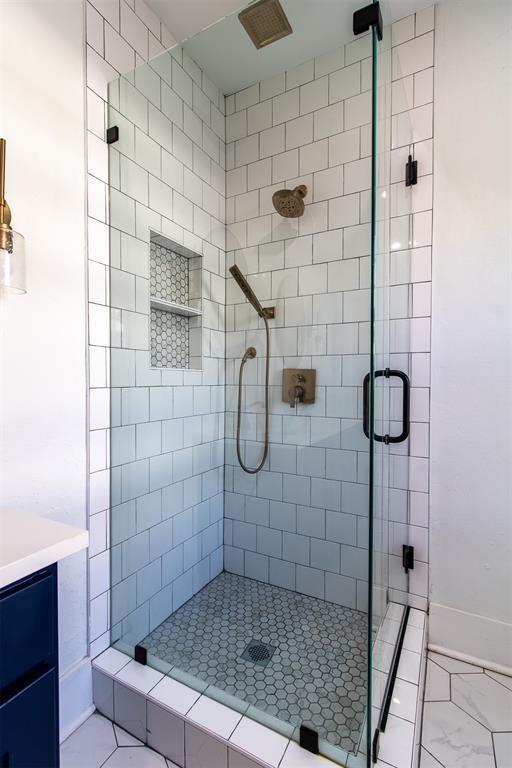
[{"x": 29, "y": 543}]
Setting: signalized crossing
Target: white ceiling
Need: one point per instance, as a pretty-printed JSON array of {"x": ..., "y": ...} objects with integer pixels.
[
  {"x": 184, "y": 18},
  {"x": 229, "y": 58}
]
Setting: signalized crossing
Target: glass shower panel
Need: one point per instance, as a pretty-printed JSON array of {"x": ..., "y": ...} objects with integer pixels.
[
  {"x": 254, "y": 589},
  {"x": 388, "y": 385}
]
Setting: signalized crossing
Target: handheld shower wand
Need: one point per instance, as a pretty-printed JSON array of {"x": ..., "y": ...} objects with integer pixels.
[{"x": 250, "y": 354}]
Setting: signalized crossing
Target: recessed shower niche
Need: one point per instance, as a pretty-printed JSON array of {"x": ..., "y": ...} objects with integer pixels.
[{"x": 175, "y": 305}]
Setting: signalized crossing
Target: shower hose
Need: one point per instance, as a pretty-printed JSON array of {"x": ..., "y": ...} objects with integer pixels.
[{"x": 247, "y": 355}]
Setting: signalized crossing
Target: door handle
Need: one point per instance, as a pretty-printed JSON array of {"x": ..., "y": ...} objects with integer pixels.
[{"x": 406, "y": 406}]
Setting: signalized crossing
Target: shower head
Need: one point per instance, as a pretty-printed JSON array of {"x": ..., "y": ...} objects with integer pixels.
[
  {"x": 247, "y": 290},
  {"x": 265, "y": 22},
  {"x": 290, "y": 202}
]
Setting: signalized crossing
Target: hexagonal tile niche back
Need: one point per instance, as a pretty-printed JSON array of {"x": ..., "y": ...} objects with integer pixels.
[{"x": 169, "y": 279}]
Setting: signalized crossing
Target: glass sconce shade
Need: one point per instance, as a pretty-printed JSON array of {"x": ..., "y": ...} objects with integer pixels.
[{"x": 12, "y": 262}]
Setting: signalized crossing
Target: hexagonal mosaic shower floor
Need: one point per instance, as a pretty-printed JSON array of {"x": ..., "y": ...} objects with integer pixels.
[{"x": 316, "y": 674}]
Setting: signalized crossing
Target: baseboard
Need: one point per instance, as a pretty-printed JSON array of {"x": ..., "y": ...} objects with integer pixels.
[
  {"x": 75, "y": 694},
  {"x": 472, "y": 638}
]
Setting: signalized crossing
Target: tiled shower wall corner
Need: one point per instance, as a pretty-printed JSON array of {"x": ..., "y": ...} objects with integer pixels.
[
  {"x": 169, "y": 471},
  {"x": 302, "y": 522}
]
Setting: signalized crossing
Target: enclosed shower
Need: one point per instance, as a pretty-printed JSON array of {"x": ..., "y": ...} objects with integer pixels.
[{"x": 258, "y": 437}]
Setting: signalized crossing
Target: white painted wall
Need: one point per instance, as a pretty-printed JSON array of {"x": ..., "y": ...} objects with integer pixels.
[
  {"x": 471, "y": 417},
  {"x": 43, "y": 459}
]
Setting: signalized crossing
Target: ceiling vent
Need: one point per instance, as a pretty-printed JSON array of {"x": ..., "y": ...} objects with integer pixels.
[{"x": 265, "y": 22}]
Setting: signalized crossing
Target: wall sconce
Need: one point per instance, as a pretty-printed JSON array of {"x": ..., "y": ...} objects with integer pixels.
[{"x": 12, "y": 244}]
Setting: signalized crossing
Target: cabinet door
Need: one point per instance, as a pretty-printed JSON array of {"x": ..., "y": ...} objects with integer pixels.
[
  {"x": 29, "y": 726},
  {"x": 28, "y": 626}
]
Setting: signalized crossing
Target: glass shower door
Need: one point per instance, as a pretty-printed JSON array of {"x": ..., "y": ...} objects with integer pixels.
[{"x": 386, "y": 393}]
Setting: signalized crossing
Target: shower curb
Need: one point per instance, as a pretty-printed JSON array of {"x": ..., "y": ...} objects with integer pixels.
[
  {"x": 111, "y": 693},
  {"x": 128, "y": 694}
]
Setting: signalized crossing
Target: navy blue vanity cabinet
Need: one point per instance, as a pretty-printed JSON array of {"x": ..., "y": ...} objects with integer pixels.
[{"x": 29, "y": 680}]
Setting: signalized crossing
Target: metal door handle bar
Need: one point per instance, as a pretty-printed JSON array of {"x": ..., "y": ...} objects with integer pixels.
[{"x": 388, "y": 374}]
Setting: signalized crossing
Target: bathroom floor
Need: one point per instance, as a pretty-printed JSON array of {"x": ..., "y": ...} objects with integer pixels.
[
  {"x": 316, "y": 670},
  {"x": 98, "y": 743},
  {"x": 467, "y": 716}
]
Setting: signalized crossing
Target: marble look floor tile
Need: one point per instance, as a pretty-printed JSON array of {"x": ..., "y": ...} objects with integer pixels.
[
  {"x": 484, "y": 699},
  {"x": 135, "y": 757},
  {"x": 427, "y": 761},
  {"x": 90, "y": 745},
  {"x": 503, "y": 749},
  {"x": 454, "y": 738},
  {"x": 125, "y": 739},
  {"x": 453, "y": 665},
  {"x": 502, "y": 679},
  {"x": 437, "y": 685}
]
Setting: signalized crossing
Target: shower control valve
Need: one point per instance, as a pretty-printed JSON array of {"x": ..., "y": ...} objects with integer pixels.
[
  {"x": 298, "y": 386},
  {"x": 297, "y": 394}
]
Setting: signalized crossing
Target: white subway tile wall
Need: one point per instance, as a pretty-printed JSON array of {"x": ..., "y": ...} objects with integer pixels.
[
  {"x": 305, "y": 515},
  {"x": 163, "y": 438}
]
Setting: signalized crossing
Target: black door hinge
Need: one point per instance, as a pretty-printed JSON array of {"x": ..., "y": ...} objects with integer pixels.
[
  {"x": 112, "y": 134},
  {"x": 411, "y": 172},
  {"x": 408, "y": 557},
  {"x": 369, "y": 16},
  {"x": 141, "y": 654},
  {"x": 308, "y": 739}
]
